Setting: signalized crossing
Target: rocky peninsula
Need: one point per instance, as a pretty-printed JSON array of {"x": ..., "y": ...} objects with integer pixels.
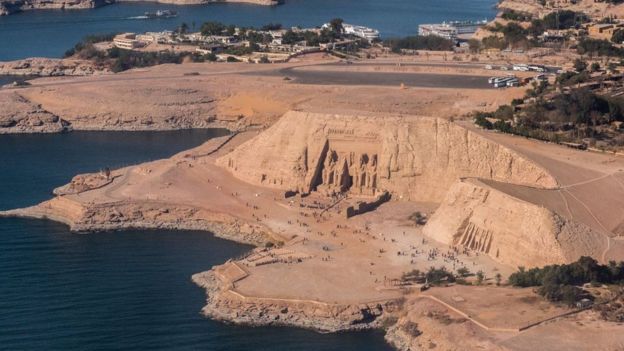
[{"x": 8, "y": 7}]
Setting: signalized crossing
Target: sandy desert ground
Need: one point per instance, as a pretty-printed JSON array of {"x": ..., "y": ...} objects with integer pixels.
[
  {"x": 493, "y": 201},
  {"x": 239, "y": 95}
]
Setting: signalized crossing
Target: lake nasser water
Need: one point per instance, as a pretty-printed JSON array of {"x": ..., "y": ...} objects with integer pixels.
[
  {"x": 127, "y": 290},
  {"x": 50, "y": 33}
]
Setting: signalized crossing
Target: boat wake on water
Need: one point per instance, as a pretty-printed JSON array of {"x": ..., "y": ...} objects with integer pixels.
[{"x": 160, "y": 14}]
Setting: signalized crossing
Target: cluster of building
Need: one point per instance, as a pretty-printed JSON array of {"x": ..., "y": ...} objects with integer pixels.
[
  {"x": 453, "y": 30},
  {"x": 276, "y": 49},
  {"x": 603, "y": 30}
]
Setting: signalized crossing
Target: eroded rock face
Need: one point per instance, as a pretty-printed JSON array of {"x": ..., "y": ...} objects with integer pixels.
[
  {"x": 84, "y": 182},
  {"x": 511, "y": 231},
  {"x": 47, "y": 67},
  {"x": 420, "y": 159},
  {"x": 224, "y": 304},
  {"x": 415, "y": 158},
  {"x": 18, "y": 115}
]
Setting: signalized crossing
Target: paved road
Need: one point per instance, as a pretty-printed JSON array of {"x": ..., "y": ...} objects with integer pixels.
[
  {"x": 424, "y": 80},
  {"x": 302, "y": 76}
]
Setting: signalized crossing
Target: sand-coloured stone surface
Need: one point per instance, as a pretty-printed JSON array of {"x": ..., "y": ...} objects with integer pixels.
[
  {"x": 22, "y": 116},
  {"x": 510, "y": 230},
  {"x": 414, "y": 158}
]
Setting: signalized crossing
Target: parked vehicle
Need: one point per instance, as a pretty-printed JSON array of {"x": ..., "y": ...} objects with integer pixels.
[
  {"x": 537, "y": 68},
  {"x": 513, "y": 83},
  {"x": 501, "y": 83}
]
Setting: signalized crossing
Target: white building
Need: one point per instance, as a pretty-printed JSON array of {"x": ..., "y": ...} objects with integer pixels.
[
  {"x": 450, "y": 30},
  {"x": 443, "y": 30},
  {"x": 127, "y": 41},
  {"x": 369, "y": 34}
]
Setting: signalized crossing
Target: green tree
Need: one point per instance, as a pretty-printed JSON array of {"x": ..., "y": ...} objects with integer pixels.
[
  {"x": 580, "y": 65},
  {"x": 290, "y": 37},
  {"x": 595, "y": 67},
  {"x": 272, "y": 26},
  {"x": 463, "y": 272},
  {"x": 564, "y": 19},
  {"x": 474, "y": 46},
  {"x": 183, "y": 28},
  {"x": 230, "y": 30},
  {"x": 336, "y": 25},
  {"x": 212, "y": 28},
  {"x": 618, "y": 36},
  {"x": 514, "y": 34}
]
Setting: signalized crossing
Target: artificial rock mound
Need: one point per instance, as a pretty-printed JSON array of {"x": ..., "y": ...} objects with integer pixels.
[
  {"x": 419, "y": 159},
  {"x": 413, "y": 158},
  {"x": 510, "y": 230}
]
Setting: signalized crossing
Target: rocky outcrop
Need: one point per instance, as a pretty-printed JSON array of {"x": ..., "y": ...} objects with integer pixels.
[
  {"x": 223, "y": 303},
  {"x": 18, "y": 115},
  {"x": 510, "y": 230},
  {"x": 420, "y": 159},
  {"x": 413, "y": 158},
  {"x": 46, "y": 67},
  {"x": 119, "y": 215},
  {"x": 84, "y": 182},
  {"x": 8, "y": 7}
]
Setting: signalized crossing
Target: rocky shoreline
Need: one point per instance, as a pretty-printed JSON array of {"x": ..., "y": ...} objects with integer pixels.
[
  {"x": 8, "y": 7},
  {"x": 49, "y": 67},
  {"x": 128, "y": 215},
  {"x": 224, "y": 304}
]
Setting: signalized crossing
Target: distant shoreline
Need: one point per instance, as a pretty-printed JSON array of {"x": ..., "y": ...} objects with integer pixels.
[{"x": 9, "y": 7}]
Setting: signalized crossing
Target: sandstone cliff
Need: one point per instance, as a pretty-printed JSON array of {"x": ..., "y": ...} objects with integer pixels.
[
  {"x": 510, "y": 230},
  {"x": 414, "y": 158},
  {"x": 421, "y": 159},
  {"x": 22, "y": 116}
]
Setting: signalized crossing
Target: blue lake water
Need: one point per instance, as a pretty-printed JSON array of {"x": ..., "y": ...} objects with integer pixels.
[
  {"x": 50, "y": 33},
  {"x": 123, "y": 290}
]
